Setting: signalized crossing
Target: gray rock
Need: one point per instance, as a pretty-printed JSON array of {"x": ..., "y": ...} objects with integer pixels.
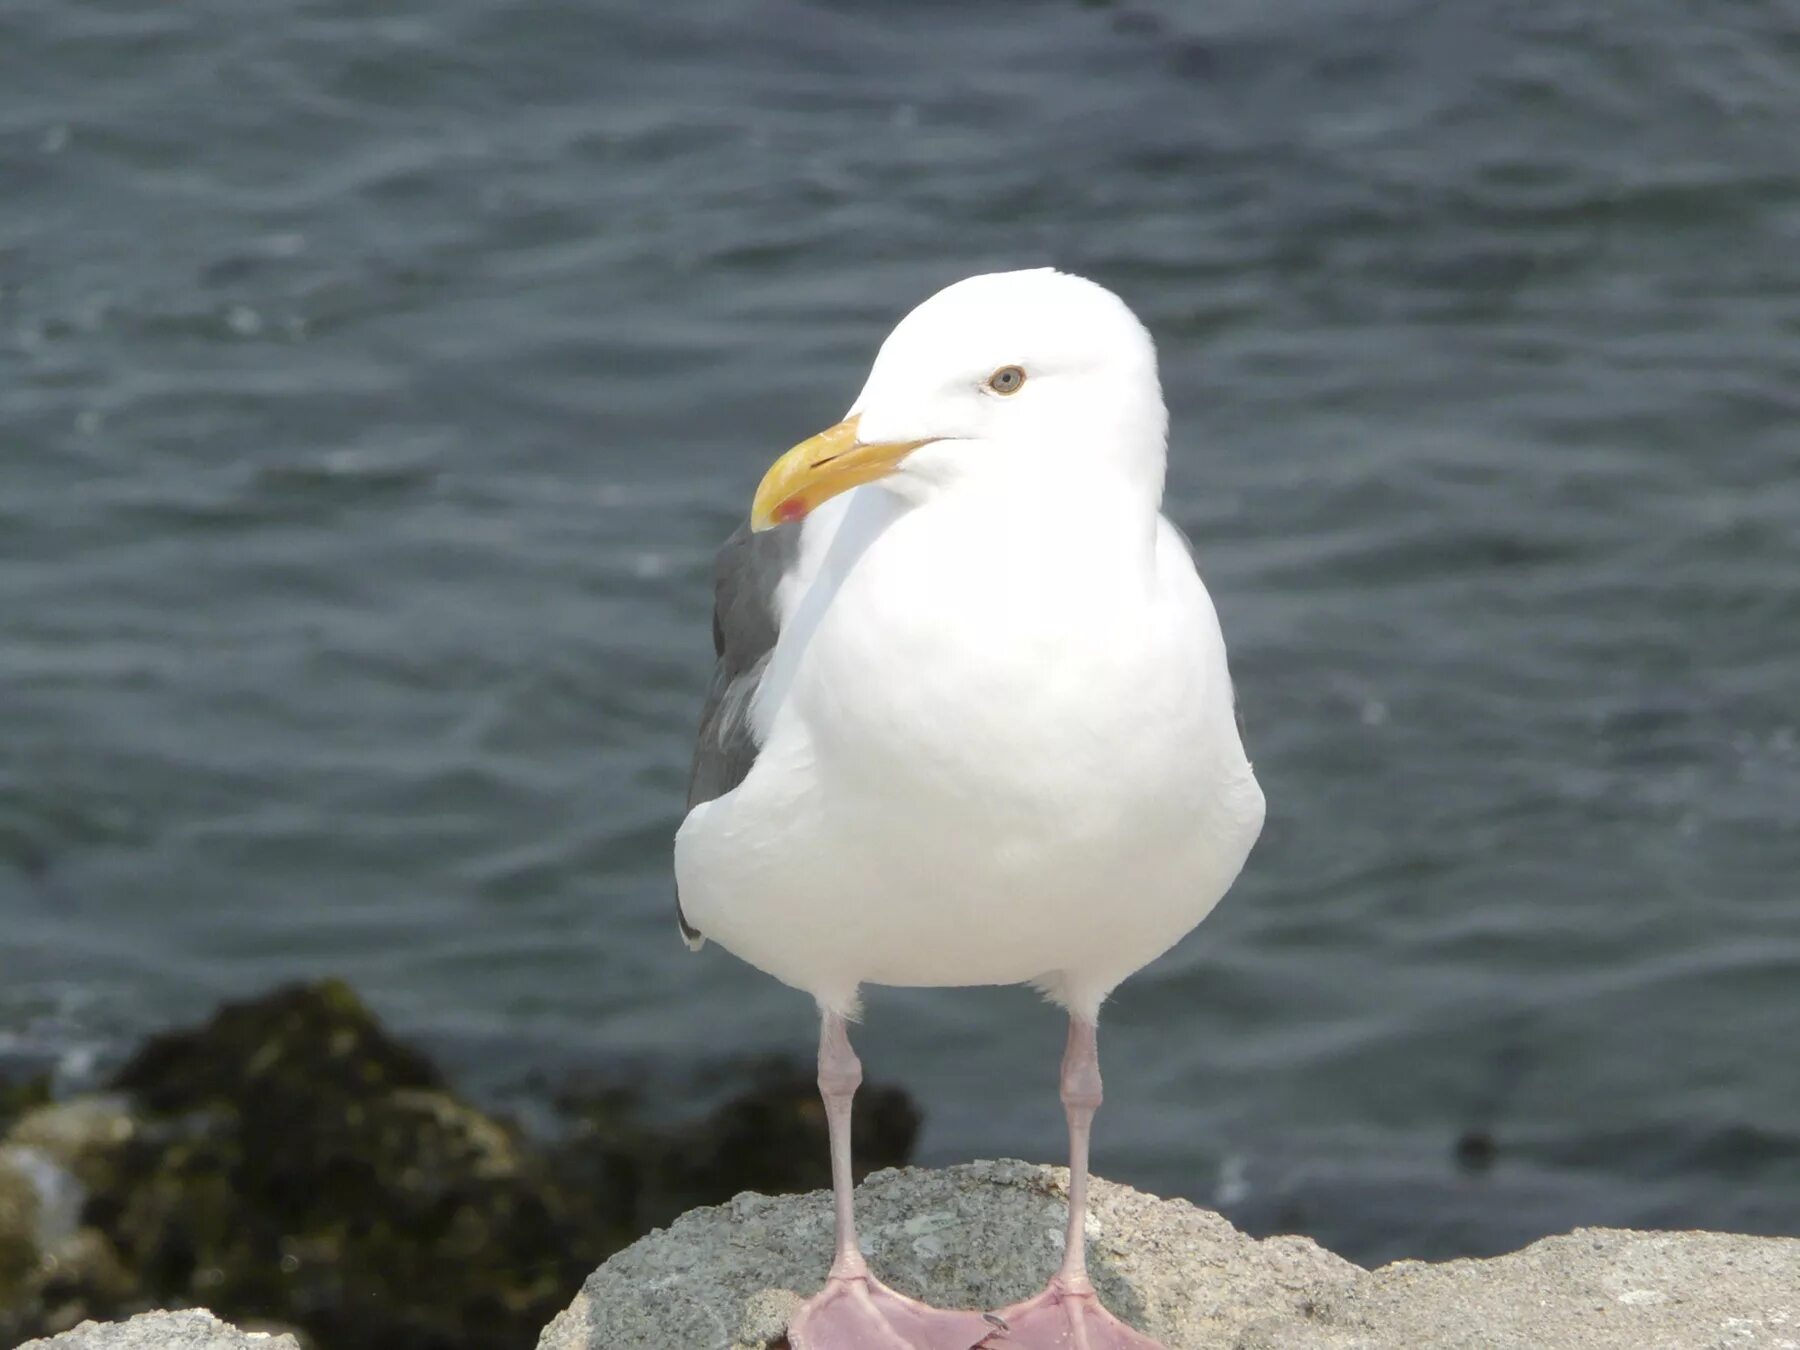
[
  {"x": 988, "y": 1234},
  {"x": 193, "y": 1329}
]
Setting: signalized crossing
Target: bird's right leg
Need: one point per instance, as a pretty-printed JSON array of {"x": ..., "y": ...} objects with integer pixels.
[
  {"x": 856, "y": 1311},
  {"x": 1068, "y": 1315}
]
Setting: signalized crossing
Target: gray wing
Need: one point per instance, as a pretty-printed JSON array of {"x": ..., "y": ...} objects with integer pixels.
[{"x": 746, "y": 621}]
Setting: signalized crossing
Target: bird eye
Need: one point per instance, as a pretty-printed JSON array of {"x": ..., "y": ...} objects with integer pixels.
[{"x": 1006, "y": 380}]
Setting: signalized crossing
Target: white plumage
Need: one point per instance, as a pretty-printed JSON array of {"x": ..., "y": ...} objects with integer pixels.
[{"x": 997, "y": 739}]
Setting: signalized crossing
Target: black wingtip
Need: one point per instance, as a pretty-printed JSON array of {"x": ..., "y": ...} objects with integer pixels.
[{"x": 689, "y": 934}]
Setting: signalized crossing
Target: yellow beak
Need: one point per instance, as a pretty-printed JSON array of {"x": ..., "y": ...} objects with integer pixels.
[{"x": 817, "y": 470}]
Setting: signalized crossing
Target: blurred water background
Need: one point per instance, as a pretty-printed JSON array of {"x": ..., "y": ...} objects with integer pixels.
[{"x": 375, "y": 386}]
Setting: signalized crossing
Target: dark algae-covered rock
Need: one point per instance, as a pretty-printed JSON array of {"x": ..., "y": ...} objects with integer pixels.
[
  {"x": 289, "y": 1163},
  {"x": 22, "y": 1095},
  {"x": 298, "y": 1163},
  {"x": 309, "y": 1040}
]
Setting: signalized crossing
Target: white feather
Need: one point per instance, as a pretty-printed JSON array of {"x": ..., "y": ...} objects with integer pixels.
[{"x": 998, "y": 734}]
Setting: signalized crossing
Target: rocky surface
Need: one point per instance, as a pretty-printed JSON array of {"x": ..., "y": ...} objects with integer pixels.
[
  {"x": 194, "y": 1329},
  {"x": 290, "y": 1163},
  {"x": 987, "y": 1234}
]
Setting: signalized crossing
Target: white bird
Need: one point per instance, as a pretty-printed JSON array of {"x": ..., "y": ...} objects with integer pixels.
[{"x": 972, "y": 723}]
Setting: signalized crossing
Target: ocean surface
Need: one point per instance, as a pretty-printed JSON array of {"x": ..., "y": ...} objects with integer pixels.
[{"x": 375, "y": 387}]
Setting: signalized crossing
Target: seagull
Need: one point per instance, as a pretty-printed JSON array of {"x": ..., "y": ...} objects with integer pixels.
[{"x": 971, "y": 724}]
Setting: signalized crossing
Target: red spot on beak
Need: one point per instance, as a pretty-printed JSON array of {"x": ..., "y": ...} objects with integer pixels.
[{"x": 790, "y": 511}]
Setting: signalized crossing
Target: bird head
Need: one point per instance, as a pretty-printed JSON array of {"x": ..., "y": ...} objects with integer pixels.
[{"x": 1035, "y": 371}]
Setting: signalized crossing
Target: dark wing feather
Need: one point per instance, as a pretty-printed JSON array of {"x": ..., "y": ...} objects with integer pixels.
[{"x": 746, "y": 621}]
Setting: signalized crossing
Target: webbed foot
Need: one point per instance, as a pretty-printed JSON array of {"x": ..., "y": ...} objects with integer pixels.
[
  {"x": 859, "y": 1312},
  {"x": 1064, "y": 1318}
]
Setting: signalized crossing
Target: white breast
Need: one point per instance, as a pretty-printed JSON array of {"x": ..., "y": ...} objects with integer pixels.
[{"x": 996, "y": 751}]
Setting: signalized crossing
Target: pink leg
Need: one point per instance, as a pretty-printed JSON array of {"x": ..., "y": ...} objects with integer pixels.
[
  {"x": 1068, "y": 1315},
  {"x": 855, "y": 1311},
  {"x": 840, "y": 1074}
]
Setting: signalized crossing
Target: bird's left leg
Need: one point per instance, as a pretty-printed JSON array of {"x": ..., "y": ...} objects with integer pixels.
[
  {"x": 856, "y": 1311},
  {"x": 1068, "y": 1315}
]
